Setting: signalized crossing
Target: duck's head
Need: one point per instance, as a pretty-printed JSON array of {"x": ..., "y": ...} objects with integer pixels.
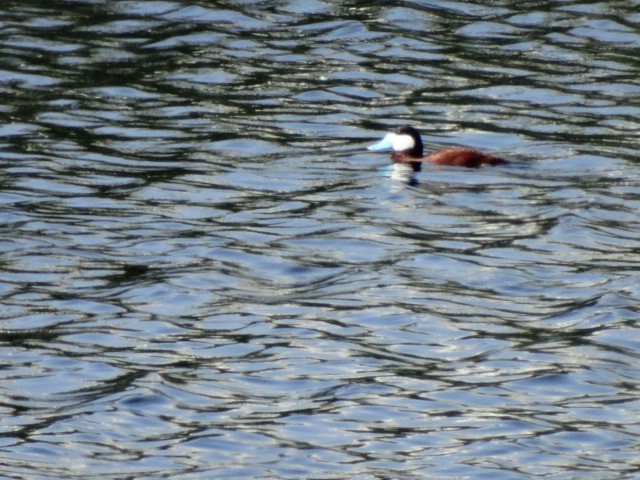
[
  {"x": 405, "y": 141},
  {"x": 406, "y": 144}
]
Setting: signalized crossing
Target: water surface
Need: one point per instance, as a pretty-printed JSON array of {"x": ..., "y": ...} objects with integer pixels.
[{"x": 206, "y": 275}]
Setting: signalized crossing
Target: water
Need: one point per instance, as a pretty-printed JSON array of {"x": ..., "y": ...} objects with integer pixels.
[{"x": 206, "y": 275}]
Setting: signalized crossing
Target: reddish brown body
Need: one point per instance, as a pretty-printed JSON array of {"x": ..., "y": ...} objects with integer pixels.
[{"x": 459, "y": 157}]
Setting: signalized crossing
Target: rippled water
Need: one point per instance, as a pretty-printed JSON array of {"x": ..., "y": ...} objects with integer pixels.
[{"x": 206, "y": 275}]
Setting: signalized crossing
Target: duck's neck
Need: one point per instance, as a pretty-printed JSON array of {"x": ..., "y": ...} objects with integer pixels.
[{"x": 403, "y": 157}]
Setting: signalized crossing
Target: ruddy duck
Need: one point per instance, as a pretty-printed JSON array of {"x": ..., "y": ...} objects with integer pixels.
[{"x": 407, "y": 148}]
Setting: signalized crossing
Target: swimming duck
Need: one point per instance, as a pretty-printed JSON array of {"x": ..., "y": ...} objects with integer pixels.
[{"x": 406, "y": 144}]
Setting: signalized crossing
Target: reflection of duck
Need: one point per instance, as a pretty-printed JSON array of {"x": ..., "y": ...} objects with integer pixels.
[{"x": 407, "y": 148}]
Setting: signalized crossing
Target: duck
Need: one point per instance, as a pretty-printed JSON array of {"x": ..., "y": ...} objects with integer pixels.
[{"x": 407, "y": 147}]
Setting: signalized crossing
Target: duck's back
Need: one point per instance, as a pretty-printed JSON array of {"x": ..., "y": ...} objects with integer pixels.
[{"x": 463, "y": 157}]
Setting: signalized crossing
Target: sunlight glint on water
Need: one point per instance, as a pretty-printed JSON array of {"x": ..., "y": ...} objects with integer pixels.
[{"x": 205, "y": 274}]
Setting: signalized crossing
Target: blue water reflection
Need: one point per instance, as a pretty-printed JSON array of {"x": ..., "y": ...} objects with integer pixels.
[{"x": 206, "y": 275}]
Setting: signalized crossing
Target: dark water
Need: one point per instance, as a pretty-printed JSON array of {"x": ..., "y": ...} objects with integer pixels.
[{"x": 206, "y": 275}]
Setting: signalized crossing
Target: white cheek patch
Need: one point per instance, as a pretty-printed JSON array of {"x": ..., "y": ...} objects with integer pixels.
[{"x": 401, "y": 143}]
